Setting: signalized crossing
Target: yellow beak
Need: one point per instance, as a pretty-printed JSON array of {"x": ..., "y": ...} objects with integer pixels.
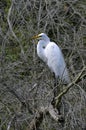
[{"x": 35, "y": 37}]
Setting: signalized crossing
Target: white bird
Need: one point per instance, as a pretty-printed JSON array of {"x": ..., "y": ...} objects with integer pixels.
[{"x": 51, "y": 54}]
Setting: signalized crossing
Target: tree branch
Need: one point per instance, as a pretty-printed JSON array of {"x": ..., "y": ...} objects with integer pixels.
[
  {"x": 59, "y": 97},
  {"x": 11, "y": 29}
]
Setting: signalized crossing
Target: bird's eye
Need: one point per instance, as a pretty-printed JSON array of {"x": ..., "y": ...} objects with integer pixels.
[{"x": 43, "y": 47}]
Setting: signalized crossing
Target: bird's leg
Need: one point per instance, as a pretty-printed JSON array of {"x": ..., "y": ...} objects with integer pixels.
[
  {"x": 56, "y": 86},
  {"x": 56, "y": 92}
]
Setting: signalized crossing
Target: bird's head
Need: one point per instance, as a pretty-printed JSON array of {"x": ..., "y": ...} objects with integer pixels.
[{"x": 41, "y": 36}]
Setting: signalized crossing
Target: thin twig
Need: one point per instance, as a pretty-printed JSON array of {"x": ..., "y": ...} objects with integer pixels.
[{"x": 10, "y": 122}]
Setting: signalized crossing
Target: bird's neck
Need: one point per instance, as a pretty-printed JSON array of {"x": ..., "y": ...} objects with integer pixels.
[{"x": 41, "y": 49}]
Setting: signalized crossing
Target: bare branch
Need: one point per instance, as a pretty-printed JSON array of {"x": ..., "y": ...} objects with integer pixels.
[
  {"x": 10, "y": 122},
  {"x": 13, "y": 33},
  {"x": 59, "y": 97}
]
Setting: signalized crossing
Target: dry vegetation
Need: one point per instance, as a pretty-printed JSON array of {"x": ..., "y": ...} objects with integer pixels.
[{"x": 26, "y": 83}]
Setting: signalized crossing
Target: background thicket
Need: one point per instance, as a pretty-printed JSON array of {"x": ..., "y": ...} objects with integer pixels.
[{"x": 26, "y": 82}]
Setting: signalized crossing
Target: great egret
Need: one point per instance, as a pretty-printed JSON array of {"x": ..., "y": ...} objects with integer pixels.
[{"x": 51, "y": 54}]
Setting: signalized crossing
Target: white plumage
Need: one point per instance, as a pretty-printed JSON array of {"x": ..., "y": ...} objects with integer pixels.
[{"x": 51, "y": 54}]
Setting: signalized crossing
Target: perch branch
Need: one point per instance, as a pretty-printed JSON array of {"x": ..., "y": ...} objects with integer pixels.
[{"x": 59, "y": 97}]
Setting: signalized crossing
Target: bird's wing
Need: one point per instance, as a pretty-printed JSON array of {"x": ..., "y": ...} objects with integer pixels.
[
  {"x": 53, "y": 54},
  {"x": 56, "y": 60}
]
